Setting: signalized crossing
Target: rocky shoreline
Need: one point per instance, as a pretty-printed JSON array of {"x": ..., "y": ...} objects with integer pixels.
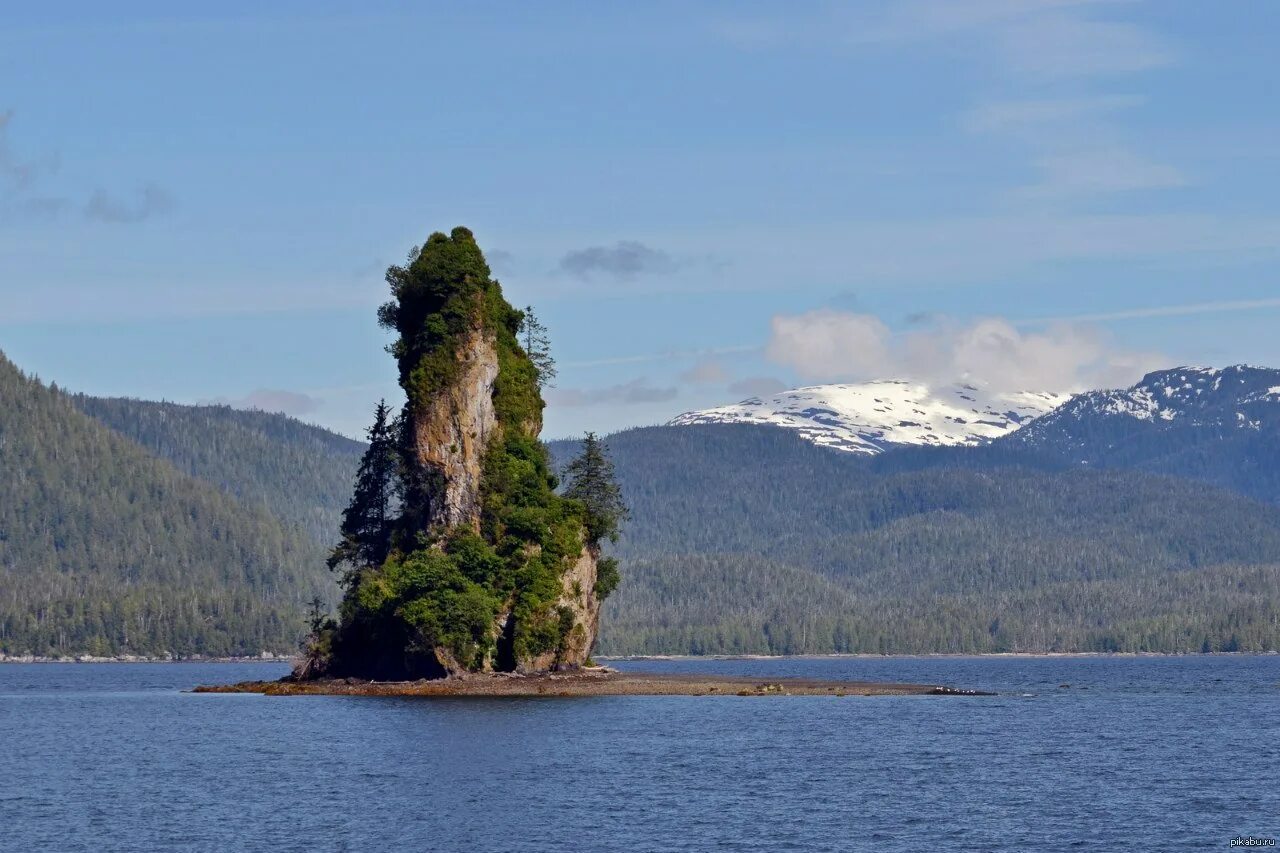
[{"x": 587, "y": 682}]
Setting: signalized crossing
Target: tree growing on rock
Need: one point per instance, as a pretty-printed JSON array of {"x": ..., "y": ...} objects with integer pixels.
[
  {"x": 536, "y": 341},
  {"x": 367, "y": 522},
  {"x": 590, "y": 479}
]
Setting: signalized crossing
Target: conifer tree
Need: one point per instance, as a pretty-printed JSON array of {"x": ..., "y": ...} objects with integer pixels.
[
  {"x": 591, "y": 480},
  {"x": 537, "y": 345},
  {"x": 367, "y": 521}
]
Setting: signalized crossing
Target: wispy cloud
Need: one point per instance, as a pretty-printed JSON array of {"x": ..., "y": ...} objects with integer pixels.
[
  {"x": 662, "y": 355},
  {"x": 757, "y": 386},
  {"x": 1098, "y": 171},
  {"x": 635, "y": 391},
  {"x": 1017, "y": 115},
  {"x": 1186, "y": 310},
  {"x": 706, "y": 372},
  {"x": 1045, "y": 38}
]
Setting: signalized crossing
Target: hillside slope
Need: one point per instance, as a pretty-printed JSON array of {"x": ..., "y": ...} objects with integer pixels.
[
  {"x": 723, "y": 556},
  {"x": 301, "y": 474},
  {"x": 106, "y": 549}
]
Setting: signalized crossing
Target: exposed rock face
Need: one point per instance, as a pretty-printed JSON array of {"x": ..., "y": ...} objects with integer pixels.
[
  {"x": 452, "y": 431},
  {"x": 454, "y": 427},
  {"x": 579, "y": 596}
]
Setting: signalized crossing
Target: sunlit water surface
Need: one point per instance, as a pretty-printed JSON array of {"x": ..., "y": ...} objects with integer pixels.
[{"x": 1136, "y": 753}]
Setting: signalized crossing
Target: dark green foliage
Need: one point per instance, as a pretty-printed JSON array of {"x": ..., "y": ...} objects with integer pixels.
[
  {"x": 835, "y": 553},
  {"x": 106, "y": 549},
  {"x": 446, "y": 588},
  {"x": 607, "y": 577},
  {"x": 367, "y": 521},
  {"x": 591, "y": 480},
  {"x": 299, "y": 473},
  {"x": 537, "y": 345},
  {"x": 433, "y": 302}
]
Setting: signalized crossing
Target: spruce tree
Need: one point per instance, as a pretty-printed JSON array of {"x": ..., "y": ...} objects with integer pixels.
[
  {"x": 367, "y": 521},
  {"x": 537, "y": 345},
  {"x": 591, "y": 480}
]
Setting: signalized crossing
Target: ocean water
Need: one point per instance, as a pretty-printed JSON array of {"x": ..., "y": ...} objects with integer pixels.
[{"x": 1163, "y": 754}]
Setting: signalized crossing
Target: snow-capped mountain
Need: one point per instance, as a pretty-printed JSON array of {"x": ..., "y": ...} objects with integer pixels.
[
  {"x": 868, "y": 417},
  {"x": 1180, "y": 401}
]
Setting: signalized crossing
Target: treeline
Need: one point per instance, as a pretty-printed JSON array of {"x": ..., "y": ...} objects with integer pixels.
[
  {"x": 105, "y": 548},
  {"x": 746, "y": 539},
  {"x": 738, "y": 604},
  {"x": 302, "y": 474}
]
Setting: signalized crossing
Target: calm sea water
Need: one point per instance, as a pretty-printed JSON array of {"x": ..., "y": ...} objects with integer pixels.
[{"x": 1138, "y": 753}]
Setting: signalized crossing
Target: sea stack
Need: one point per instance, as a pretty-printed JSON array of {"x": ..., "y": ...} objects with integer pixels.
[{"x": 474, "y": 563}]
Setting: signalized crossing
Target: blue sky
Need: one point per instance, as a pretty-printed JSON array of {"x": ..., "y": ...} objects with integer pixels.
[{"x": 703, "y": 200}]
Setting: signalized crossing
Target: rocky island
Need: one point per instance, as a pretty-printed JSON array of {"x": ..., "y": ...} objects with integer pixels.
[{"x": 468, "y": 568}]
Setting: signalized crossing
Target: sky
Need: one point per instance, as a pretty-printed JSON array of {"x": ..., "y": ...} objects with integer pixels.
[{"x": 703, "y": 201}]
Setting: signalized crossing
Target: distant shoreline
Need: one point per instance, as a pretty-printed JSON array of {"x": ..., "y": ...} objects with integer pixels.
[
  {"x": 929, "y": 655},
  {"x": 640, "y": 658},
  {"x": 263, "y": 658}
]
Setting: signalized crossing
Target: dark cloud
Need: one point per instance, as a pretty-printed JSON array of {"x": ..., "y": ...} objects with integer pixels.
[
  {"x": 624, "y": 259},
  {"x": 45, "y": 207},
  {"x": 21, "y": 179},
  {"x": 19, "y": 174},
  {"x": 921, "y": 318},
  {"x": 499, "y": 260},
  {"x": 635, "y": 391},
  {"x": 758, "y": 386},
  {"x": 149, "y": 201},
  {"x": 846, "y": 299},
  {"x": 273, "y": 400}
]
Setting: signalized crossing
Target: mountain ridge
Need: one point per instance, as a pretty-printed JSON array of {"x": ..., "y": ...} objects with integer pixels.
[{"x": 871, "y": 417}]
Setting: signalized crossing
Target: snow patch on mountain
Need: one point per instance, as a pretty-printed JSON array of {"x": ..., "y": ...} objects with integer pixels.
[
  {"x": 1238, "y": 397},
  {"x": 869, "y": 417}
]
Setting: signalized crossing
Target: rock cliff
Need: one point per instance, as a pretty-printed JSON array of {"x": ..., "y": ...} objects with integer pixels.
[
  {"x": 490, "y": 569},
  {"x": 453, "y": 428}
]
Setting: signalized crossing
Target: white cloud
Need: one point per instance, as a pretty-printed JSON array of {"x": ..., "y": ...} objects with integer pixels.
[
  {"x": 829, "y": 346},
  {"x": 826, "y": 345}
]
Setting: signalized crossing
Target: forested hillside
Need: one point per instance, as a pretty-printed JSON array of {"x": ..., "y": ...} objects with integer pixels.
[
  {"x": 302, "y": 474},
  {"x": 106, "y": 549},
  {"x": 806, "y": 550},
  {"x": 154, "y": 527}
]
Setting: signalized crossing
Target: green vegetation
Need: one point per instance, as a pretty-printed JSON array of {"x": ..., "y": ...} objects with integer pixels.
[
  {"x": 444, "y": 591},
  {"x": 537, "y": 345},
  {"x": 592, "y": 482},
  {"x": 299, "y": 473},
  {"x": 106, "y": 549},
  {"x": 367, "y": 521},
  {"x": 801, "y": 549}
]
